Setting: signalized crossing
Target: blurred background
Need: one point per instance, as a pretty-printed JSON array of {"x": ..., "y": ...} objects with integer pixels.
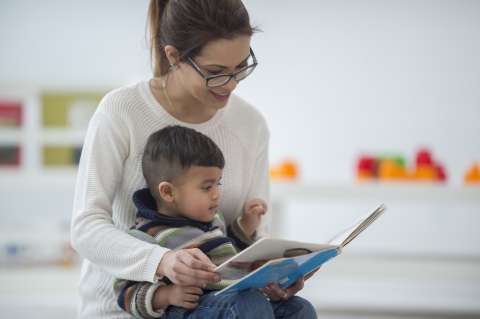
[{"x": 368, "y": 102}]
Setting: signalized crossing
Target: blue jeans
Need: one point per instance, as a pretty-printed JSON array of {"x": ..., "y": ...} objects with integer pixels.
[{"x": 247, "y": 304}]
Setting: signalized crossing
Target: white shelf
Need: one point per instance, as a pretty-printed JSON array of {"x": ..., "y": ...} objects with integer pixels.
[
  {"x": 384, "y": 191},
  {"x": 11, "y": 135},
  {"x": 49, "y": 179},
  {"x": 54, "y": 136}
]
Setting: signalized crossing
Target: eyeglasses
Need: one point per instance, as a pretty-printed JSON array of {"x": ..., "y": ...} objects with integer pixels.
[{"x": 217, "y": 80}]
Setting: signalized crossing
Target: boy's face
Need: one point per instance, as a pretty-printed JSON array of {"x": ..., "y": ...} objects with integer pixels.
[{"x": 196, "y": 193}]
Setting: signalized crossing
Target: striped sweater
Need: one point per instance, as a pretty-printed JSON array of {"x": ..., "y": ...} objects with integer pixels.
[{"x": 216, "y": 240}]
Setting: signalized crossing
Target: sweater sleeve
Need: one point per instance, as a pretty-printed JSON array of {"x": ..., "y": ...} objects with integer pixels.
[
  {"x": 136, "y": 298},
  {"x": 260, "y": 184},
  {"x": 93, "y": 233}
]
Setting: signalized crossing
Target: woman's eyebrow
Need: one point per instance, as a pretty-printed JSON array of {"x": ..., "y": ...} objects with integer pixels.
[{"x": 226, "y": 67}]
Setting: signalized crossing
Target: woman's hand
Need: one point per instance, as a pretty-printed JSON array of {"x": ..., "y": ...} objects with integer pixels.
[
  {"x": 188, "y": 267},
  {"x": 275, "y": 293}
]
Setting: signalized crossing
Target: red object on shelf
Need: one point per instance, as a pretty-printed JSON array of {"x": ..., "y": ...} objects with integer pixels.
[
  {"x": 441, "y": 174},
  {"x": 367, "y": 163},
  {"x": 10, "y": 113},
  {"x": 424, "y": 158},
  {"x": 366, "y": 167}
]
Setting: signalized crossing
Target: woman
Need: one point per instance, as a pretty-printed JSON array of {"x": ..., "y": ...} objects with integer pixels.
[{"x": 201, "y": 50}]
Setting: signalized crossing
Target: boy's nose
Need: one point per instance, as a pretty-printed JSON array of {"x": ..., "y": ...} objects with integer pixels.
[{"x": 215, "y": 194}]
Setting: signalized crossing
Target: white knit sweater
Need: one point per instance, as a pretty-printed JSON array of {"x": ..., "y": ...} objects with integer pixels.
[{"x": 110, "y": 172}]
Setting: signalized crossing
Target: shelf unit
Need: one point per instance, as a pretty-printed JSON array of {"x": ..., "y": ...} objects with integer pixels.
[{"x": 44, "y": 133}]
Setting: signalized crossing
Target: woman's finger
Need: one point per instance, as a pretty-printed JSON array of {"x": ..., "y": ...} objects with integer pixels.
[
  {"x": 192, "y": 262},
  {"x": 202, "y": 275},
  {"x": 198, "y": 254},
  {"x": 190, "y": 267},
  {"x": 188, "y": 280}
]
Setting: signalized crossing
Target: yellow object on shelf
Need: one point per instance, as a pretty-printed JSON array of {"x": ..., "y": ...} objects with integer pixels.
[
  {"x": 65, "y": 109},
  {"x": 58, "y": 156}
]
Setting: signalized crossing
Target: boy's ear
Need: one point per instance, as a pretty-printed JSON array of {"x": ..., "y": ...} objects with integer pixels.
[{"x": 166, "y": 192}]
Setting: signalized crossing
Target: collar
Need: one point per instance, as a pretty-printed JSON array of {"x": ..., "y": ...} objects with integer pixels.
[{"x": 147, "y": 208}]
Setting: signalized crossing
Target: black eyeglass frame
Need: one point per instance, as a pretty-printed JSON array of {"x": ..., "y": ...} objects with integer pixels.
[{"x": 231, "y": 76}]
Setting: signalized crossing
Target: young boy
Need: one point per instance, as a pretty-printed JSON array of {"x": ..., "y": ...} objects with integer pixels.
[{"x": 183, "y": 170}]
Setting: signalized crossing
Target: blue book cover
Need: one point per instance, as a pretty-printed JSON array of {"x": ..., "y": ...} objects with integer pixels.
[{"x": 284, "y": 271}]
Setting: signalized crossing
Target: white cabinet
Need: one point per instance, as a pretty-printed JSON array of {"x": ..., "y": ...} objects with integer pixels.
[{"x": 421, "y": 256}]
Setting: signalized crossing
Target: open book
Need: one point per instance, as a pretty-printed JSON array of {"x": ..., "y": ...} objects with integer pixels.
[{"x": 271, "y": 260}]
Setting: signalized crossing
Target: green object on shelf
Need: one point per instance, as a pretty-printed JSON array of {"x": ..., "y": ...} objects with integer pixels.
[
  {"x": 398, "y": 159},
  {"x": 56, "y": 106},
  {"x": 58, "y": 156}
]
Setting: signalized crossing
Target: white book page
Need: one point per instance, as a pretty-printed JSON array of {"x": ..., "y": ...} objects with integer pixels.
[
  {"x": 347, "y": 235},
  {"x": 267, "y": 249}
]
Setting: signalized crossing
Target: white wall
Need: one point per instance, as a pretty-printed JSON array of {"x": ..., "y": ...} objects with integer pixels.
[
  {"x": 335, "y": 77},
  {"x": 368, "y": 75}
]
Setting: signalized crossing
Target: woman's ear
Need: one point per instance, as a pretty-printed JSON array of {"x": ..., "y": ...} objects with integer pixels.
[
  {"x": 166, "y": 192},
  {"x": 172, "y": 54}
]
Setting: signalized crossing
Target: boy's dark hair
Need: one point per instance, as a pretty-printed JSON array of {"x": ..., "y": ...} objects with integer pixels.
[{"x": 172, "y": 150}]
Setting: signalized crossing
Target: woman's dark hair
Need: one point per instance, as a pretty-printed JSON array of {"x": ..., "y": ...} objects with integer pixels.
[
  {"x": 189, "y": 25},
  {"x": 172, "y": 150}
]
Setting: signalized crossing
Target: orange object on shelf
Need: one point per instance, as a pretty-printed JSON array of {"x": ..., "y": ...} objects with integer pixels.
[
  {"x": 286, "y": 170},
  {"x": 365, "y": 175},
  {"x": 390, "y": 170},
  {"x": 472, "y": 176},
  {"x": 425, "y": 173},
  {"x": 390, "y": 167}
]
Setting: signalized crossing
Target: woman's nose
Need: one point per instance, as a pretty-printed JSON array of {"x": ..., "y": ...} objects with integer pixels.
[{"x": 230, "y": 85}]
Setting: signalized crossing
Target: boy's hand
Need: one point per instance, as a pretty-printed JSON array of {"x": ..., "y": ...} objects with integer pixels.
[
  {"x": 252, "y": 215},
  {"x": 275, "y": 293},
  {"x": 174, "y": 295}
]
